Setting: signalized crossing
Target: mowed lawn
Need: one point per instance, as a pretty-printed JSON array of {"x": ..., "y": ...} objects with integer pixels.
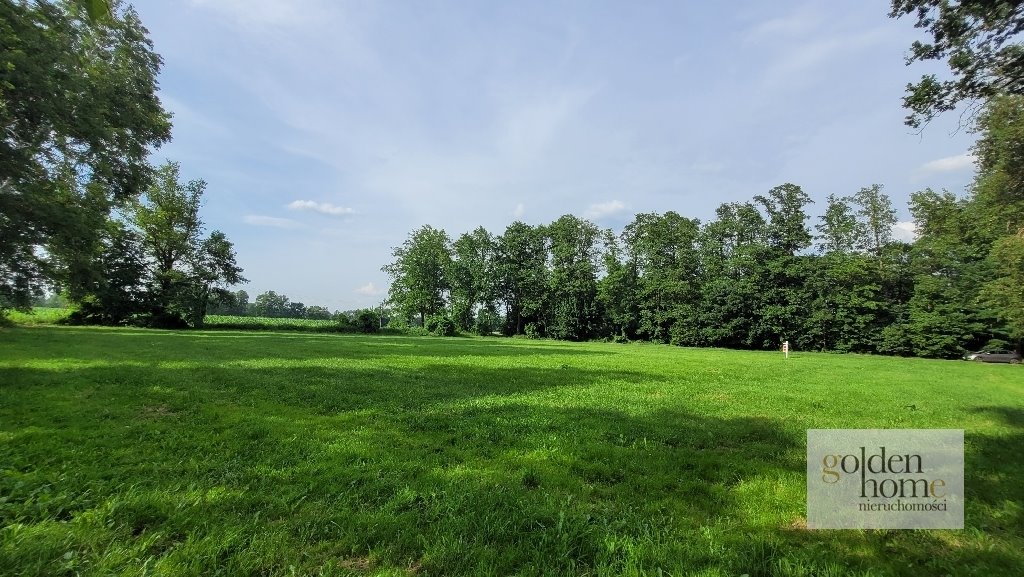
[{"x": 138, "y": 452}]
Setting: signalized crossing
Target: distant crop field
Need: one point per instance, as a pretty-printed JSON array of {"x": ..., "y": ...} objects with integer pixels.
[
  {"x": 138, "y": 452},
  {"x": 258, "y": 323}
]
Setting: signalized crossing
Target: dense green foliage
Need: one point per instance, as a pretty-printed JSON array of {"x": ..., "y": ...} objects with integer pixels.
[
  {"x": 756, "y": 275},
  {"x": 81, "y": 210},
  {"x": 79, "y": 112},
  {"x": 132, "y": 451},
  {"x": 268, "y": 304},
  {"x": 978, "y": 39},
  {"x": 153, "y": 265},
  {"x": 421, "y": 273}
]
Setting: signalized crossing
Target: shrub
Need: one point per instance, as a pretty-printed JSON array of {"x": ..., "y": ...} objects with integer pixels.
[
  {"x": 532, "y": 331},
  {"x": 367, "y": 321},
  {"x": 441, "y": 325},
  {"x": 997, "y": 344},
  {"x": 895, "y": 340},
  {"x": 343, "y": 321}
]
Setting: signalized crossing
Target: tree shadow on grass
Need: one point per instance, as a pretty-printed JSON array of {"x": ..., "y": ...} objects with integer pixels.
[
  {"x": 297, "y": 390},
  {"x": 689, "y": 492},
  {"x": 994, "y": 466},
  {"x": 105, "y": 343}
]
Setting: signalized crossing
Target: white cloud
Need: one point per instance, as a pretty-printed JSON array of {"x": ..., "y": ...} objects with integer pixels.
[
  {"x": 369, "y": 289},
  {"x": 272, "y": 221},
  {"x": 603, "y": 209},
  {"x": 905, "y": 231},
  {"x": 320, "y": 207},
  {"x": 950, "y": 163}
]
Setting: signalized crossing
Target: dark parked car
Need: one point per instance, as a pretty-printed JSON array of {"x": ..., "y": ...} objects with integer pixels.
[{"x": 994, "y": 356}]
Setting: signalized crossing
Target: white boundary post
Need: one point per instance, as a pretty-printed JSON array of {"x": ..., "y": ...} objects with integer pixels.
[{"x": 785, "y": 349}]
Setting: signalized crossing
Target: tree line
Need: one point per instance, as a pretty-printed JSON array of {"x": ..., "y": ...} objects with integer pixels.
[
  {"x": 271, "y": 304},
  {"x": 759, "y": 273}
]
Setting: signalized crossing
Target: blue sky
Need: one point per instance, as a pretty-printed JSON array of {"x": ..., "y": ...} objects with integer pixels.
[{"x": 328, "y": 130}]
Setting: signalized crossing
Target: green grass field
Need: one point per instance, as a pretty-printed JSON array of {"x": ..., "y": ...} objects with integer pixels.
[{"x": 139, "y": 452}]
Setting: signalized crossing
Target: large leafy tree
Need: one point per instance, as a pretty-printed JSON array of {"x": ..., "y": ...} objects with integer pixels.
[
  {"x": 572, "y": 284},
  {"x": 663, "y": 248},
  {"x": 153, "y": 263},
  {"x": 999, "y": 186},
  {"x": 271, "y": 304},
  {"x": 856, "y": 286},
  {"x": 782, "y": 280},
  {"x": 115, "y": 292},
  {"x": 978, "y": 39},
  {"x": 949, "y": 265},
  {"x": 618, "y": 290},
  {"x": 1004, "y": 294},
  {"x": 471, "y": 276},
  {"x": 848, "y": 306},
  {"x": 876, "y": 217},
  {"x": 79, "y": 114},
  {"x": 419, "y": 280},
  {"x": 185, "y": 268},
  {"x": 998, "y": 206},
  {"x": 732, "y": 252},
  {"x": 170, "y": 226},
  {"x": 521, "y": 275},
  {"x": 838, "y": 229}
]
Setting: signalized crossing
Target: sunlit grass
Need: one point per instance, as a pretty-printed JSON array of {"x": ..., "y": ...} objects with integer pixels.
[
  {"x": 132, "y": 451},
  {"x": 39, "y": 316}
]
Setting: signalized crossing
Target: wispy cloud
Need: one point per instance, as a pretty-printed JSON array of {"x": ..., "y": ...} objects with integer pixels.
[
  {"x": 262, "y": 13},
  {"x": 950, "y": 163},
  {"x": 369, "y": 289},
  {"x": 604, "y": 209},
  {"x": 320, "y": 207},
  {"x": 460, "y": 117},
  {"x": 797, "y": 23},
  {"x": 271, "y": 221},
  {"x": 798, "y": 62}
]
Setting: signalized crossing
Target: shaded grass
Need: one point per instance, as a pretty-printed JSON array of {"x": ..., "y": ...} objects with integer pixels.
[{"x": 138, "y": 451}]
